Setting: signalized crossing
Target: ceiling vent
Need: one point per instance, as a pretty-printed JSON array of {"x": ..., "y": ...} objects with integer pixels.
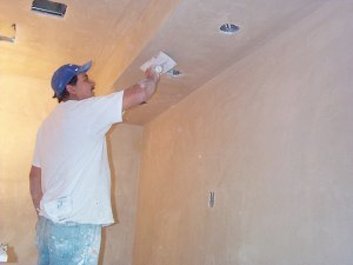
[
  {"x": 49, "y": 7},
  {"x": 174, "y": 73},
  {"x": 7, "y": 32}
]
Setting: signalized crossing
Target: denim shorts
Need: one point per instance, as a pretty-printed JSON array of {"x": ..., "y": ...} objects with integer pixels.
[{"x": 68, "y": 243}]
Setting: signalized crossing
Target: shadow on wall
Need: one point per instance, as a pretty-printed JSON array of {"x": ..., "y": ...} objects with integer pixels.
[
  {"x": 113, "y": 197},
  {"x": 103, "y": 244},
  {"x": 113, "y": 176}
]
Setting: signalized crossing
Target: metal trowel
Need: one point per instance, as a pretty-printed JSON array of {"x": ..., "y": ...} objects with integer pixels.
[{"x": 161, "y": 63}]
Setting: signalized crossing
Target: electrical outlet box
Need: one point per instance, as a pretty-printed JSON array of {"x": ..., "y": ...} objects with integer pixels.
[{"x": 211, "y": 199}]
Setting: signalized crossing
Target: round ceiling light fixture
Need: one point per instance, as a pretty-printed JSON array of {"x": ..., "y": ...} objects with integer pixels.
[{"x": 229, "y": 28}]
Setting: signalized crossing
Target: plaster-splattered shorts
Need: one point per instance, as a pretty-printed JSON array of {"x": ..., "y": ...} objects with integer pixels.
[{"x": 67, "y": 244}]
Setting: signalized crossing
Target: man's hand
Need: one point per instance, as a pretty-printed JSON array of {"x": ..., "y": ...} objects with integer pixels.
[
  {"x": 142, "y": 91},
  {"x": 151, "y": 73}
]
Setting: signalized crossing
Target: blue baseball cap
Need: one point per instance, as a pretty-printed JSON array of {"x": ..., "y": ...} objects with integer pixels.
[{"x": 63, "y": 75}]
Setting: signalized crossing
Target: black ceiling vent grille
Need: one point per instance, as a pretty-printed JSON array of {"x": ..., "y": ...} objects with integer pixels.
[{"x": 49, "y": 7}]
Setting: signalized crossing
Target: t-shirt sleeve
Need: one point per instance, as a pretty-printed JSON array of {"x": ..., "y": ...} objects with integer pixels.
[{"x": 106, "y": 110}]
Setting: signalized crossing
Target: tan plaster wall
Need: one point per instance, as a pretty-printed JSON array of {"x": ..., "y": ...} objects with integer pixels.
[
  {"x": 125, "y": 144},
  {"x": 272, "y": 137},
  {"x": 21, "y": 111},
  {"x": 20, "y": 115}
]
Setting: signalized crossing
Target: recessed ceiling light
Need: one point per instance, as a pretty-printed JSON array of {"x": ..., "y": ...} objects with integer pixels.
[{"x": 228, "y": 28}]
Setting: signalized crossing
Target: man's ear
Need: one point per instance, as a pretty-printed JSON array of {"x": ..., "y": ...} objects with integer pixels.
[{"x": 71, "y": 89}]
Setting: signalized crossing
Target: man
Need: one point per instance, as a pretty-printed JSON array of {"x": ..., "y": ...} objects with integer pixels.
[{"x": 70, "y": 177}]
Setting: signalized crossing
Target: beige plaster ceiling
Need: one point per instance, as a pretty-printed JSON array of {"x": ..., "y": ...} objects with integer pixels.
[{"x": 121, "y": 35}]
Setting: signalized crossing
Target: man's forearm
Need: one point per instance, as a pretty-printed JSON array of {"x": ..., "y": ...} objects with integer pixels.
[
  {"x": 148, "y": 87},
  {"x": 35, "y": 186}
]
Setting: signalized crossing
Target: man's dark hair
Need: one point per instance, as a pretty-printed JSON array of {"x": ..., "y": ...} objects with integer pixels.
[{"x": 65, "y": 94}]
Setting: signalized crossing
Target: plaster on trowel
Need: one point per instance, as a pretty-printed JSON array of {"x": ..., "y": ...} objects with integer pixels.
[{"x": 161, "y": 63}]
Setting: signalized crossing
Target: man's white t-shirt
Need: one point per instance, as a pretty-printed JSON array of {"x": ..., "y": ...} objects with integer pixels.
[{"x": 72, "y": 154}]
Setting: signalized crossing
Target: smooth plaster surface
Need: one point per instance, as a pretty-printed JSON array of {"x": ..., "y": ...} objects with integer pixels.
[
  {"x": 18, "y": 125},
  {"x": 191, "y": 36},
  {"x": 125, "y": 149},
  {"x": 272, "y": 137}
]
